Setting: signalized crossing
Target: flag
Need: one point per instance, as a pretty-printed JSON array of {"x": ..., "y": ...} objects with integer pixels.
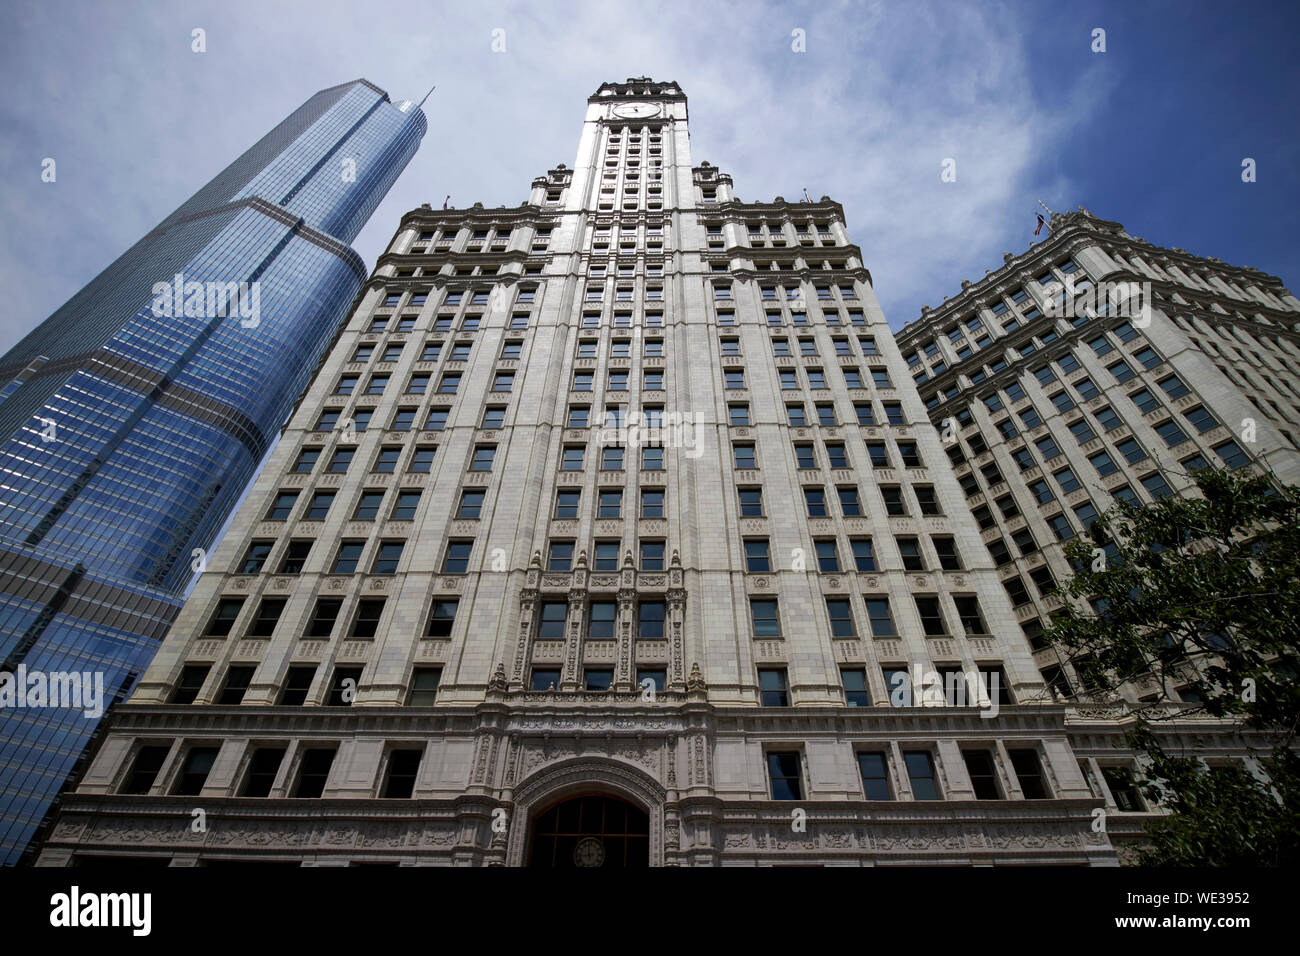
[{"x": 1040, "y": 224}]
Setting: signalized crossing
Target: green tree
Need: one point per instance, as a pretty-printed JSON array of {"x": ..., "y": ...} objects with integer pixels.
[{"x": 1201, "y": 594}]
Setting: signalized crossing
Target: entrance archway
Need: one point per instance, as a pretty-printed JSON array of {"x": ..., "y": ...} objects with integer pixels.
[{"x": 591, "y": 830}]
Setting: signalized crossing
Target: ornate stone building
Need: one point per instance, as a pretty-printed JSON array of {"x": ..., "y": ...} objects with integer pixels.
[
  {"x": 1095, "y": 367},
  {"x": 613, "y": 531}
]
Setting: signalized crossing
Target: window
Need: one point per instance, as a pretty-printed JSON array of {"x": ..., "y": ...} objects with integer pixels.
[
  {"x": 751, "y": 502},
  {"x": 773, "y": 687},
  {"x": 879, "y": 618},
  {"x": 483, "y": 455},
  {"x": 268, "y": 613},
  {"x": 283, "y": 505},
  {"x": 342, "y": 693},
  {"x": 910, "y": 550},
  {"x": 572, "y": 458},
  {"x": 306, "y": 461},
  {"x": 931, "y": 616},
  {"x": 783, "y": 770},
  {"x": 262, "y": 771},
  {"x": 611, "y": 458},
  {"x": 864, "y": 413},
  {"x": 841, "y": 618},
  {"x": 601, "y": 625},
  {"x": 560, "y": 556},
  {"x": 756, "y": 555},
  {"x": 295, "y": 556},
  {"x": 652, "y": 555},
  {"x": 1131, "y": 451},
  {"x": 1232, "y": 454},
  {"x": 256, "y": 556},
  {"x": 442, "y": 618},
  {"x": 1200, "y": 418},
  {"x": 879, "y": 454},
  {"x": 1171, "y": 433},
  {"x": 190, "y": 683},
  {"x": 652, "y": 458},
  {"x": 1156, "y": 485},
  {"x": 849, "y": 504},
  {"x": 551, "y": 623},
  {"x": 763, "y": 615},
  {"x": 828, "y": 561},
  {"x": 194, "y": 771},
  {"x": 650, "y": 620},
  {"x": 1173, "y": 386},
  {"x": 652, "y": 503},
  {"x": 297, "y": 681},
  {"x": 422, "y": 460},
  {"x": 836, "y": 456},
  {"x": 739, "y": 414},
  {"x": 983, "y": 775},
  {"x": 314, "y": 771},
  {"x": 366, "y": 623},
  {"x": 744, "y": 456},
  {"x": 863, "y": 558},
  {"x": 1029, "y": 772},
  {"x": 893, "y": 497},
  {"x": 456, "y": 560},
  {"x": 920, "y": 771},
  {"x": 544, "y": 679},
  {"x": 735, "y": 378},
  {"x": 946, "y": 549},
  {"x": 875, "y": 775}
]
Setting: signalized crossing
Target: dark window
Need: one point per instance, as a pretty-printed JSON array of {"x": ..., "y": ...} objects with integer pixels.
[
  {"x": 268, "y": 613},
  {"x": 366, "y": 623},
  {"x": 772, "y": 684},
  {"x": 314, "y": 771},
  {"x": 262, "y": 769},
  {"x": 783, "y": 769},
  {"x": 875, "y": 776},
  {"x": 424, "y": 686},
  {"x": 195, "y": 770},
  {"x": 323, "y": 617},
  {"x": 297, "y": 681},
  {"x": 238, "y": 677},
  {"x": 191, "y": 681},
  {"x": 920, "y": 770},
  {"x": 1029, "y": 771},
  {"x": 650, "y": 619},
  {"x": 399, "y": 779},
  {"x": 983, "y": 775}
]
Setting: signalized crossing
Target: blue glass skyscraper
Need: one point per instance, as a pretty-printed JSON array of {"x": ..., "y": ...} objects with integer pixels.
[{"x": 132, "y": 419}]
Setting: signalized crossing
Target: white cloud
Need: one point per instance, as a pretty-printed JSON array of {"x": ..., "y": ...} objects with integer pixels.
[{"x": 883, "y": 94}]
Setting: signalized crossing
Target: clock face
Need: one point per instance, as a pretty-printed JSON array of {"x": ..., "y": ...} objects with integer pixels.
[
  {"x": 636, "y": 110},
  {"x": 589, "y": 852}
]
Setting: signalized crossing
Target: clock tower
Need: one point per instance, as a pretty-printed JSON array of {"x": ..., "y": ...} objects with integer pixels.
[{"x": 607, "y": 178}]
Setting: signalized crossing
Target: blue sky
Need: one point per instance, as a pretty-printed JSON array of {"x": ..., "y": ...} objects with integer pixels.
[{"x": 1151, "y": 133}]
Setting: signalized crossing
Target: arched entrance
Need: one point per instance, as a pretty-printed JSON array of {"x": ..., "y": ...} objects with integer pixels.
[
  {"x": 570, "y": 779},
  {"x": 591, "y": 830}
]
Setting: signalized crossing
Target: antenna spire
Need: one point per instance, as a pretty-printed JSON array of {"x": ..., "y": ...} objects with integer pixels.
[{"x": 426, "y": 95}]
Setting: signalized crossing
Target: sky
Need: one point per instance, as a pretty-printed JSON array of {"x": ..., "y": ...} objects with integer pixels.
[{"x": 1152, "y": 132}]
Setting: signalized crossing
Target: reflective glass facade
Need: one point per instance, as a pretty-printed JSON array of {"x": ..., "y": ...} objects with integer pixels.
[{"x": 132, "y": 419}]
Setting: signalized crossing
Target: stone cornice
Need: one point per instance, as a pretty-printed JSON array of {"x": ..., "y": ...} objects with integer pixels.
[{"x": 1071, "y": 231}]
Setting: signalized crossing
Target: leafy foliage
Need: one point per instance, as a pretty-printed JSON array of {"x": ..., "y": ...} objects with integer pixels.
[{"x": 1202, "y": 595}]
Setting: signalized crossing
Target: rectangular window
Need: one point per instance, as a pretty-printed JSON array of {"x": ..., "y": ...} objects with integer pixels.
[
  {"x": 366, "y": 623},
  {"x": 879, "y": 618},
  {"x": 1029, "y": 772},
  {"x": 783, "y": 770},
  {"x": 875, "y": 776},
  {"x": 751, "y": 502},
  {"x": 841, "y": 618},
  {"x": 314, "y": 771},
  {"x": 773, "y": 687},
  {"x": 744, "y": 456},
  {"x": 763, "y": 615},
  {"x": 863, "y": 558},
  {"x": 650, "y": 620},
  {"x": 456, "y": 560},
  {"x": 920, "y": 771}
]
